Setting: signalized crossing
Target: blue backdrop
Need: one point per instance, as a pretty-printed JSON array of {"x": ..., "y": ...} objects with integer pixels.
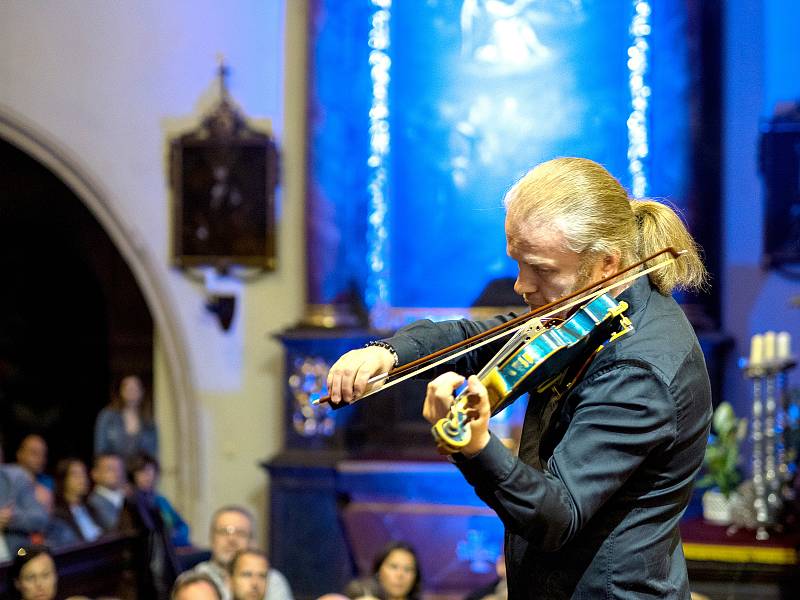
[{"x": 478, "y": 92}]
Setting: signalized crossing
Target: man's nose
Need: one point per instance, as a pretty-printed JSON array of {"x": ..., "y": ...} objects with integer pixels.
[{"x": 525, "y": 285}]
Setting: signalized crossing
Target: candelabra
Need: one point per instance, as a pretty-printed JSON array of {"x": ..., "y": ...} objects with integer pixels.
[{"x": 770, "y": 360}]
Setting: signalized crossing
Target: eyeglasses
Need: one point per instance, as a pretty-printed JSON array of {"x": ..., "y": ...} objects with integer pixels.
[{"x": 231, "y": 530}]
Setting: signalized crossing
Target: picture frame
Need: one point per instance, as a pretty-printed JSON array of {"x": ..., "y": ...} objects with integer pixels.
[{"x": 223, "y": 179}]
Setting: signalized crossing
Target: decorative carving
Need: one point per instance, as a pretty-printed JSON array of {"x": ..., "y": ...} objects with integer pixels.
[{"x": 307, "y": 384}]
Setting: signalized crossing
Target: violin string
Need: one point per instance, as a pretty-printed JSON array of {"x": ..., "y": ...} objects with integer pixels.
[
  {"x": 591, "y": 296},
  {"x": 510, "y": 346}
]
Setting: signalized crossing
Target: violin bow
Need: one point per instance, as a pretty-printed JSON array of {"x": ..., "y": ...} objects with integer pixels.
[{"x": 410, "y": 370}]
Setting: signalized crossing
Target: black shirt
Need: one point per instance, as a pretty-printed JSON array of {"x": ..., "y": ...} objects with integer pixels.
[{"x": 600, "y": 520}]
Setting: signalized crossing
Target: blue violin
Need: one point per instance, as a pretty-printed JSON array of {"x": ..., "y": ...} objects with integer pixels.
[{"x": 544, "y": 361}]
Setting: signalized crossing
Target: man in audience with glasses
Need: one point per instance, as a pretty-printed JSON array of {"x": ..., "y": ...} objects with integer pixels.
[{"x": 232, "y": 529}]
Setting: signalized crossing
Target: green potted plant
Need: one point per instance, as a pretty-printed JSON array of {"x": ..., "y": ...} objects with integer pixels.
[{"x": 721, "y": 464}]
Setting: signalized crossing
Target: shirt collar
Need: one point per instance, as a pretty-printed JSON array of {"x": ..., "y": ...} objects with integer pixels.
[
  {"x": 636, "y": 295},
  {"x": 116, "y": 497}
]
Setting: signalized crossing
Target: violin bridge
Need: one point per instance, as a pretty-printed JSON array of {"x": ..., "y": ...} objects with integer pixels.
[{"x": 533, "y": 329}]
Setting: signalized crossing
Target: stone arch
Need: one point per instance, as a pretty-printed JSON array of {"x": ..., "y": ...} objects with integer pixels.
[{"x": 37, "y": 144}]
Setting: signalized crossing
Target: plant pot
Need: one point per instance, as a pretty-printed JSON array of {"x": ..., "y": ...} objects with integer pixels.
[{"x": 717, "y": 508}]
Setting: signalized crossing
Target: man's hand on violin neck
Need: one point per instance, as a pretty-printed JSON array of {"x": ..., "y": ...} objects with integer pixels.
[
  {"x": 440, "y": 396},
  {"x": 348, "y": 377}
]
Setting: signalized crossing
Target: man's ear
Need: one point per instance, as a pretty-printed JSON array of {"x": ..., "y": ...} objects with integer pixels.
[{"x": 611, "y": 264}]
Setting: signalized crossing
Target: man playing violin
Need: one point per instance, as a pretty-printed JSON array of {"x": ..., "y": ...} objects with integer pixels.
[{"x": 592, "y": 502}]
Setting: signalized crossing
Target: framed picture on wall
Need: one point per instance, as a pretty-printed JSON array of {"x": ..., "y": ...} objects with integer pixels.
[{"x": 223, "y": 178}]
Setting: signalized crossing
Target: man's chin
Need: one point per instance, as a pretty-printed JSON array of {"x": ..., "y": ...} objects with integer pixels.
[
  {"x": 533, "y": 305},
  {"x": 225, "y": 559}
]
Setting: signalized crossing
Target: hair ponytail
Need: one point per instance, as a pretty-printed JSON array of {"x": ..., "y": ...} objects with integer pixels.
[
  {"x": 594, "y": 213},
  {"x": 659, "y": 226}
]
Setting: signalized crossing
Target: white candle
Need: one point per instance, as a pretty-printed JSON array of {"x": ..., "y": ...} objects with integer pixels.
[
  {"x": 784, "y": 345},
  {"x": 756, "y": 350}
]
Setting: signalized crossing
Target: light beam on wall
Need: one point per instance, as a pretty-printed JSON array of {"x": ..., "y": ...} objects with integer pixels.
[
  {"x": 425, "y": 112},
  {"x": 638, "y": 149},
  {"x": 377, "y": 287}
]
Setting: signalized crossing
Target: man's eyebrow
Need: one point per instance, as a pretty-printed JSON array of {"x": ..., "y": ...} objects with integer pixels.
[{"x": 537, "y": 261}]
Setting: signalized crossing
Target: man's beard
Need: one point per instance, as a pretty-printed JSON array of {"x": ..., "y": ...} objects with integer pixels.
[{"x": 582, "y": 279}]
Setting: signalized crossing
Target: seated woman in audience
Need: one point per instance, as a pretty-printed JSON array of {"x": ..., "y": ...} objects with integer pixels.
[
  {"x": 32, "y": 575},
  {"x": 125, "y": 427},
  {"x": 74, "y": 521},
  {"x": 144, "y": 473},
  {"x": 396, "y": 570}
]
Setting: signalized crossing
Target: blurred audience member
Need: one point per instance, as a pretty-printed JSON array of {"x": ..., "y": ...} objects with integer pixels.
[
  {"x": 144, "y": 474},
  {"x": 21, "y": 515},
  {"x": 125, "y": 427},
  {"x": 248, "y": 572},
  {"x": 195, "y": 586},
  {"x": 108, "y": 494},
  {"x": 32, "y": 456},
  {"x": 32, "y": 575},
  {"x": 396, "y": 569},
  {"x": 156, "y": 563},
  {"x": 232, "y": 530},
  {"x": 73, "y": 520}
]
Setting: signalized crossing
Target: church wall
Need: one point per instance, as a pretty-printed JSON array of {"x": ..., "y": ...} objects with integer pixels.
[{"x": 104, "y": 83}]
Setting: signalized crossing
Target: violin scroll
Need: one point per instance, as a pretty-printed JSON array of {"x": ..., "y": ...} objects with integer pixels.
[{"x": 452, "y": 432}]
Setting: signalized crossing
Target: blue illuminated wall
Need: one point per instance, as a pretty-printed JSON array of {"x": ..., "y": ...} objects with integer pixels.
[
  {"x": 763, "y": 63},
  {"x": 478, "y": 92}
]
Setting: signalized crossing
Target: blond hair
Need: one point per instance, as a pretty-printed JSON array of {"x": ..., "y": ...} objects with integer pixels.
[{"x": 593, "y": 211}]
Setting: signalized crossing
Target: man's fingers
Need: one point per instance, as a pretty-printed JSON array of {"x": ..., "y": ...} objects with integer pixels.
[
  {"x": 476, "y": 393},
  {"x": 443, "y": 386},
  {"x": 348, "y": 377},
  {"x": 341, "y": 376},
  {"x": 335, "y": 386},
  {"x": 439, "y": 396},
  {"x": 364, "y": 373}
]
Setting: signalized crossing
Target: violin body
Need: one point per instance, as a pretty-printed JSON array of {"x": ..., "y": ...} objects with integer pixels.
[{"x": 544, "y": 361}]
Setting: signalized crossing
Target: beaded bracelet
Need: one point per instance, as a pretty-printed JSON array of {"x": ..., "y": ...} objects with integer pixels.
[{"x": 388, "y": 347}]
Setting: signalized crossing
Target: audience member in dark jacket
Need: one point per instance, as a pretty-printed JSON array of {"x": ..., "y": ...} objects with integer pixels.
[
  {"x": 155, "y": 561},
  {"x": 144, "y": 472},
  {"x": 20, "y": 513},
  {"x": 108, "y": 495},
  {"x": 73, "y": 520}
]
